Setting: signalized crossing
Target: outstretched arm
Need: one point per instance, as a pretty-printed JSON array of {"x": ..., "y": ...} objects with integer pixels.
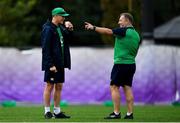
[{"x": 101, "y": 30}]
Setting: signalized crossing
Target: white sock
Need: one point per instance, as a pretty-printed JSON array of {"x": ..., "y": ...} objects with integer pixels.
[
  {"x": 46, "y": 109},
  {"x": 116, "y": 113},
  {"x": 128, "y": 114},
  {"x": 57, "y": 110}
]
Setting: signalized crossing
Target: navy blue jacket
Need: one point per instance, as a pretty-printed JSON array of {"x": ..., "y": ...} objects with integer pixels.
[{"x": 51, "y": 47}]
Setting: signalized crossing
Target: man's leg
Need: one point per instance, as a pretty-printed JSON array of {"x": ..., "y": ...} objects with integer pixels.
[
  {"x": 57, "y": 94},
  {"x": 116, "y": 101},
  {"x": 47, "y": 98},
  {"x": 129, "y": 99},
  {"x": 47, "y": 94},
  {"x": 57, "y": 98},
  {"x": 115, "y": 98}
]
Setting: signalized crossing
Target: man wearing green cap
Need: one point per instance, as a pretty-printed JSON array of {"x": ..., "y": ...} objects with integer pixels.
[{"x": 55, "y": 36}]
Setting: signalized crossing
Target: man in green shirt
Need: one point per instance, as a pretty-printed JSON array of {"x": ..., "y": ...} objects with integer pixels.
[{"x": 126, "y": 46}]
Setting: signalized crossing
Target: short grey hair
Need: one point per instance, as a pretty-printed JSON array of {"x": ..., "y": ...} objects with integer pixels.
[{"x": 128, "y": 16}]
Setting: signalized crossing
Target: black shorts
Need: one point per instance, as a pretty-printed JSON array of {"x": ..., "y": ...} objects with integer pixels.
[
  {"x": 53, "y": 77},
  {"x": 122, "y": 74}
]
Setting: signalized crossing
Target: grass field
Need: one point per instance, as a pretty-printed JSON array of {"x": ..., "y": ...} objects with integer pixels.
[{"x": 90, "y": 113}]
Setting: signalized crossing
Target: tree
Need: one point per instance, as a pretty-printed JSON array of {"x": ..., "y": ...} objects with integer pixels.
[
  {"x": 111, "y": 11},
  {"x": 21, "y": 20},
  {"x": 14, "y": 16},
  {"x": 81, "y": 11}
]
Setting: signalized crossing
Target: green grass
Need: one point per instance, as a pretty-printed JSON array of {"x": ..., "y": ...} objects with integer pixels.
[{"x": 91, "y": 113}]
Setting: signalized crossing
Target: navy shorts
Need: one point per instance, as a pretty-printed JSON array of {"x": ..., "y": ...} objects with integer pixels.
[
  {"x": 53, "y": 77},
  {"x": 122, "y": 74}
]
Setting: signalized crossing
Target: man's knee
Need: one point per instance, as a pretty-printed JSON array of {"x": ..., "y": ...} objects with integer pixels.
[
  {"x": 58, "y": 87},
  {"x": 129, "y": 98},
  {"x": 49, "y": 87},
  {"x": 114, "y": 88}
]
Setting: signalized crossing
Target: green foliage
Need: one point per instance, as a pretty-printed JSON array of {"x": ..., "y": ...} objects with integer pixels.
[
  {"x": 80, "y": 12},
  {"x": 21, "y": 20},
  {"x": 14, "y": 16},
  {"x": 111, "y": 12}
]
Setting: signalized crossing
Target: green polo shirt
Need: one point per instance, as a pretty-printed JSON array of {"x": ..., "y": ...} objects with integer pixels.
[{"x": 126, "y": 45}]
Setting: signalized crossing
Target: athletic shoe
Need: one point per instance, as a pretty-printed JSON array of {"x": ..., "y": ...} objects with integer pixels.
[
  {"x": 129, "y": 117},
  {"x": 48, "y": 115},
  {"x": 113, "y": 116},
  {"x": 61, "y": 115}
]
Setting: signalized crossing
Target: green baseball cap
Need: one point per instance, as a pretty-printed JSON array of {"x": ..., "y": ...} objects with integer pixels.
[{"x": 59, "y": 11}]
